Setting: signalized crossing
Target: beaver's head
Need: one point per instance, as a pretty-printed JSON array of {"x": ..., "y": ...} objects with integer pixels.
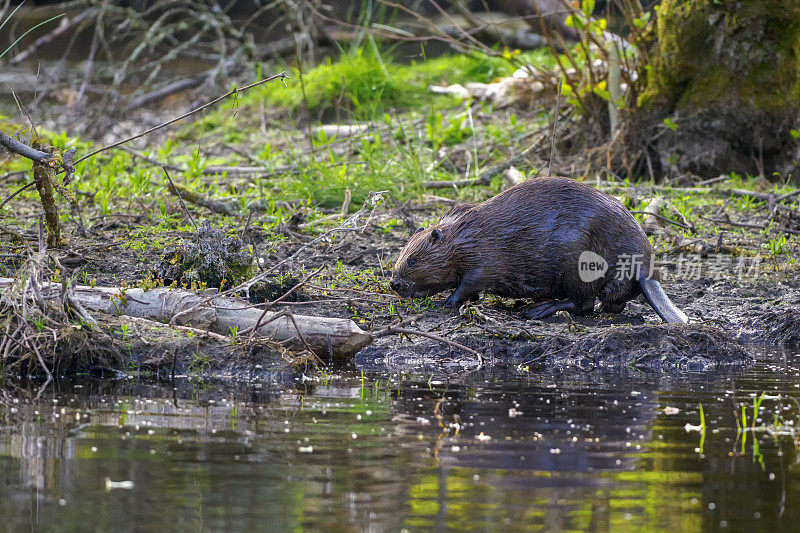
[{"x": 425, "y": 265}]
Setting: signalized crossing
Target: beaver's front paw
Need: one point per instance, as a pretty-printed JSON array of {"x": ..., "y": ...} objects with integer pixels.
[{"x": 452, "y": 301}]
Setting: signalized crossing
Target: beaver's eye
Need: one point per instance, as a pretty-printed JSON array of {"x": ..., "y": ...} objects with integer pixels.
[{"x": 412, "y": 262}]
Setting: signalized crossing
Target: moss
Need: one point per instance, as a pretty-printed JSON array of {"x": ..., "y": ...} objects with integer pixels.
[
  {"x": 44, "y": 175},
  {"x": 707, "y": 51}
]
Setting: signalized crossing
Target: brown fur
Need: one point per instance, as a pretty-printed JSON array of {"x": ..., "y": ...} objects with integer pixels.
[{"x": 525, "y": 243}]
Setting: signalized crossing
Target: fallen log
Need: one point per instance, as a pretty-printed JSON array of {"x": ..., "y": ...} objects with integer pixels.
[
  {"x": 165, "y": 91},
  {"x": 327, "y": 337},
  {"x": 651, "y": 212},
  {"x": 222, "y": 207}
]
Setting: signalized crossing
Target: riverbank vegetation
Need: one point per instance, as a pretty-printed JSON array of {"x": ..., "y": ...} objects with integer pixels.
[{"x": 314, "y": 180}]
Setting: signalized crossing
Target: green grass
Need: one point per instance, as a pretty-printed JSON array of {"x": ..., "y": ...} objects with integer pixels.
[
  {"x": 366, "y": 82},
  {"x": 410, "y": 124}
]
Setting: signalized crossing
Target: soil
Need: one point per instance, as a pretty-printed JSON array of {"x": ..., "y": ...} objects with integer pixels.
[{"x": 729, "y": 317}]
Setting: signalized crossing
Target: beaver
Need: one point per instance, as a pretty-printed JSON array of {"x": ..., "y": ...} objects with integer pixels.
[{"x": 554, "y": 240}]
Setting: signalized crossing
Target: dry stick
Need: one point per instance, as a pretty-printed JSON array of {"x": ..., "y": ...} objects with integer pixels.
[
  {"x": 269, "y": 305},
  {"x": 337, "y": 289},
  {"x": 41, "y": 362},
  {"x": 163, "y": 92},
  {"x": 16, "y": 235},
  {"x": 759, "y": 227},
  {"x": 474, "y": 42},
  {"x": 65, "y": 25},
  {"x": 393, "y": 329},
  {"x": 24, "y": 111},
  {"x": 283, "y": 313},
  {"x": 711, "y": 180},
  {"x": 388, "y": 330},
  {"x": 217, "y": 206},
  {"x": 23, "y": 149},
  {"x": 287, "y": 313},
  {"x": 151, "y": 160},
  {"x": 290, "y": 291},
  {"x": 662, "y": 218},
  {"x": 89, "y": 67},
  {"x": 249, "y": 157},
  {"x": 247, "y": 227},
  {"x": 11, "y": 175},
  {"x": 300, "y": 335},
  {"x": 762, "y": 196},
  {"x": 232, "y": 92},
  {"x": 24, "y": 187},
  {"x": 180, "y": 199},
  {"x": 555, "y": 128},
  {"x": 788, "y": 196},
  {"x": 343, "y": 213},
  {"x": 438, "y": 35},
  {"x": 486, "y": 176},
  {"x": 258, "y": 277}
]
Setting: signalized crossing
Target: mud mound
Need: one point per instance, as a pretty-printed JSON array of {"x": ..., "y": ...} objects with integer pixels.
[
  {"x": 686, "y": 347},
  {"x": 781, "y": 327},
  {"x": 210, "y": 257},
  {"x": 650, "y": 346}
]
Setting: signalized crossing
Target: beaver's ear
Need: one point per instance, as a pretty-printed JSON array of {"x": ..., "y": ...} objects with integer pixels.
[
  {"x": 436, "y": 235},
  {"x": 418, "y": 230}
]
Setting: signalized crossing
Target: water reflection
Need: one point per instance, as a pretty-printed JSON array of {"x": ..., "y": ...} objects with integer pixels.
[{"x": 390, "y": 452}]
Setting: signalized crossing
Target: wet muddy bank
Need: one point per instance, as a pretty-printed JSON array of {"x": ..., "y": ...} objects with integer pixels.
[
  {"x": 734, "y": 321},
  {"x": 730, "y": 319}
]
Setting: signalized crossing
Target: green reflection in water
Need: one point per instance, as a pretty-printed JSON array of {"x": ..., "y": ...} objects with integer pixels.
[{"x": 595, "y": 452}]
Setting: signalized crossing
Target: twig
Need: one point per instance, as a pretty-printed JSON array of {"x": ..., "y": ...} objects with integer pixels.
[
  {"x": 662, "y": 218},
  {"x": 151, "y": 160},
  {"x": 342, "y": 289},
  {"x": 23, "y": 149},
  {"x": 285, "y": 295},
  {"x": 788, "y": 196},
  {"x": 21, "y": 238},
  {"x": 163, "y": 92},
  {"x": 232, "y": 92},
  {"x": 486, "y": 176},
  {"x": 288, "y": 313},
  {"x": 290, "y": 291},
  {"x": 375, "y": 197},
  {"x": 336, "y": 216},
  {"x": 388, "y": 330},
  {"x": 217, "y": 206},
  {"x": 178, "y": 194},
  {"x": 758, "y": 227},
  {"x": 65, "y": 25},
  {"x": 24, "y": 187},
  {"x": 711, "y": 180},
  {"x": 555, "y": 128},
  {"x": 15, "y": 174},
  {"x": 406, "y": 331}
]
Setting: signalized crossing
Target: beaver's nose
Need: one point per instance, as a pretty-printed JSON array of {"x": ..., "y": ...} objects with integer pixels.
[{"x": 395, "y": 285}]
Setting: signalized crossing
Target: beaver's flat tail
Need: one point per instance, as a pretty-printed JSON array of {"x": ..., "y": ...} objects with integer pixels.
[{"x": 659, "y": 300}]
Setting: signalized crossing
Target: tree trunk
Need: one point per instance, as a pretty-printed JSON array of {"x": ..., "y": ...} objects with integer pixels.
[
  {"x": 726, "y": 75},
  {"x": 44, "y": 175}
]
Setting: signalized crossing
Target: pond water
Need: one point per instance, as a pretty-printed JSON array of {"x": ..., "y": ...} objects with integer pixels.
[{"x": 368, "y": 452}]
